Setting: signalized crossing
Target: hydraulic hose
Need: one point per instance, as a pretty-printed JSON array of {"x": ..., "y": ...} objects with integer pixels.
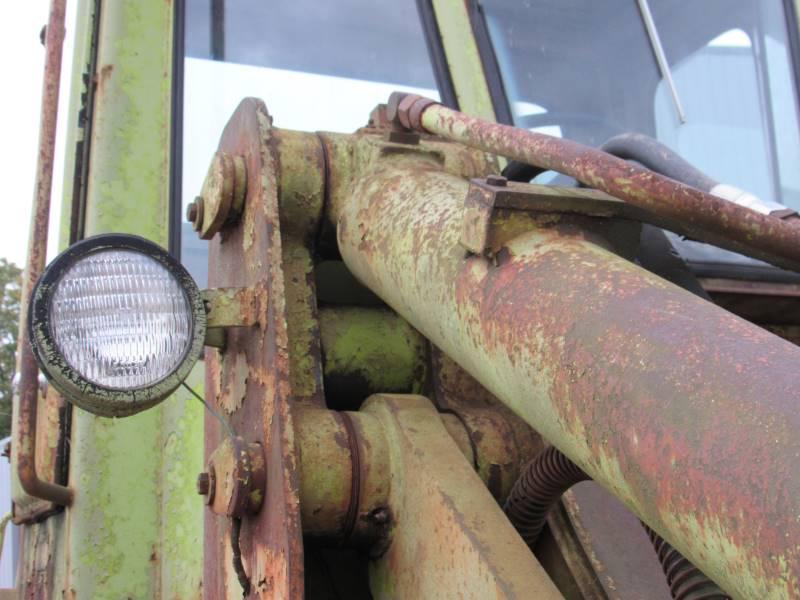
[
  {"x": 657, "y": 157},
  {"x": 542, "y": 484},
  {"x": 656, "y": 252}
]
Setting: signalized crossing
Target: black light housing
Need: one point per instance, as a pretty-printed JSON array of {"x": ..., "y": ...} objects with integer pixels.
[{"x": 116, "y": 324}]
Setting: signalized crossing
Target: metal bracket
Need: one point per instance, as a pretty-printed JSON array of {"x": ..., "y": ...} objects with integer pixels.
[
  {"x": 228, "y": 307},
  {"x": 484, "y": 196}
]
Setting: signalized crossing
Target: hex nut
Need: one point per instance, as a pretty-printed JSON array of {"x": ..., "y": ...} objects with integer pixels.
[
  {"x": 194, "y": 213},
  {"x": 203, "y": 484}
]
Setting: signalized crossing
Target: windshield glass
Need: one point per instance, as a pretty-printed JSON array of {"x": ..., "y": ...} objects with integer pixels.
[
  {"x": 588, "y": 70},
  {"x": 318, "y": 66}
]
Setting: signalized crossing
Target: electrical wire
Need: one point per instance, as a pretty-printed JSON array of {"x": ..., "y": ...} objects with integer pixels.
[{"x": 225, "y": 425}]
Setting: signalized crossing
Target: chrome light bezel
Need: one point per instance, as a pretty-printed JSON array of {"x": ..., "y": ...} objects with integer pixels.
[{"x": 90, "y": 396}]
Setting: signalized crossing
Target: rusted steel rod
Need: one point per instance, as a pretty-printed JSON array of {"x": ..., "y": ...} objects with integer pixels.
[
  {"x": 25, "y": 449},
  {"x": 701, "y": 214},
  {"x": 684, "y": 411}
]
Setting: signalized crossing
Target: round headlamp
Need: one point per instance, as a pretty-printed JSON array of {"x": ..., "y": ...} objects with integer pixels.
[{"x": 116, "y": 324}]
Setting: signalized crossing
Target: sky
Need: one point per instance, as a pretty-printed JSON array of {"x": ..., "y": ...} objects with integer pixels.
[{"x": 22, "y": 67}]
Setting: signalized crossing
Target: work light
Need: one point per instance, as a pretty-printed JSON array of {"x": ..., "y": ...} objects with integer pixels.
[{"x": 116, "y": 324}]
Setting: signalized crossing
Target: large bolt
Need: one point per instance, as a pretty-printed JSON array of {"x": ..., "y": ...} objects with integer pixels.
[
  {"x": 237, "y": 478},
  {"x": 194, "y": 213},
  {"x": 392, "y": 107},
  {"x": 203, "y": 484},
  {"x": 206, "y": 485},
  {"x": 223, "y": 195}
]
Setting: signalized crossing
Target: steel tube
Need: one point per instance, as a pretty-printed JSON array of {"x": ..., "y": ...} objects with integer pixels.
[
  {"x": 684, "y": 411},
  {"x": 701, "y": 214},
  {"x": 37, "y": 250}
]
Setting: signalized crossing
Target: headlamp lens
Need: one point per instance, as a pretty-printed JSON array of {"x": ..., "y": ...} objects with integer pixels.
[{"x": 120, "y": 319}]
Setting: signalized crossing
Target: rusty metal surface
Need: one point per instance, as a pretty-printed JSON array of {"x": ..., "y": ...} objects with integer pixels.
[
  {"x": 757, "y": 288},
  {"x": 221, "y": 200},
  {"x": 535, "y": 500},
  {"x": 345, "y": 476},
  {"x": 449, "y": 536},
  {"x": 369, "y": 350},
  {"x": 249, "y": 254},
  {"x": 766, "y": 303},
  {"x": 707, "y": 217},
  {"x": 648, "y": 388},
  {"x": 234, "y": 481},
  {"x": 301, "y": 190},
  {"x": 50, "y": 456},
  {"x": 346, "y": 472},
  {"x": 39, "y": 551},
  {"x": 615, "y": 544},
  {"x": 454, "y": 388},
  {"x": 231, "y": 307},
  {"x": 686, "y": 581},
  {"x": 500, "y": 445},
  {"x": 326, "y": 472},
  {"x": 485, "y": 196},
  {"x": 24, "y": 447}
]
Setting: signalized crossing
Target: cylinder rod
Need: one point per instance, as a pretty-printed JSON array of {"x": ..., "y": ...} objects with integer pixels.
[
  {"x": 684, "y": 411},
  {"x": 699, "y": 214}
]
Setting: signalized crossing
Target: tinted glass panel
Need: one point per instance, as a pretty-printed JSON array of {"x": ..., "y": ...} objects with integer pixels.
[{"x": 587, "y": 70}]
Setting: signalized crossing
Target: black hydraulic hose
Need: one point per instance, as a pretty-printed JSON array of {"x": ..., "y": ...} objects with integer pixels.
[
  {"x": 656, "y": 252},
  {"x": 685, "y": 581},
  {"x": 537, "y": 490},
  {"x": 658, "y": 255},
  {"x": 648, "y": 152},
  {"x": 520, "y": 171},
  {"x": 542, "y": 484},
  {"x": 654, "y": 155}
]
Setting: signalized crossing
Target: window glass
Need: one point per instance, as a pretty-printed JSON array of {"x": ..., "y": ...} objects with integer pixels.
[
  {"x": 590, "y": 69},
  {"x": 317, "y": 66}
]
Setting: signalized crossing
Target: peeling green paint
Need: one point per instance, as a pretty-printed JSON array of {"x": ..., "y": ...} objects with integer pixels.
[
  {"x": 368, "y": 350},
  {"x": 463, "y": 58},
  {"x": 128, "y": 183},
  {"x": 182, "y": 509},
  {"x": 135, "y": 530}
]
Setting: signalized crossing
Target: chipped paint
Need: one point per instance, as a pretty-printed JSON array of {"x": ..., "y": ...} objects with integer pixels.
[
  {"x": 131, "y": 532},
  {"x": 463, "y": 58},
  {"x": 449, "y": 533},
  {"x": 700, "y": 214},
  {"x": 367, "y": 350},
  {"x": 639, "y": 382}
]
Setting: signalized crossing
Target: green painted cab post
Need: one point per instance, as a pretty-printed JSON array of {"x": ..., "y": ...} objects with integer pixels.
[{"x": 136, "y": 527}]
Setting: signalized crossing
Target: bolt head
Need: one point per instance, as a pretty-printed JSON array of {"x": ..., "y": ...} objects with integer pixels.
[
  {"x": 392, "y": 106},
  {"x": 497, "y": 180},
  {"x": 194, "y": 213},
  {"x": 203, "y": 484}
]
